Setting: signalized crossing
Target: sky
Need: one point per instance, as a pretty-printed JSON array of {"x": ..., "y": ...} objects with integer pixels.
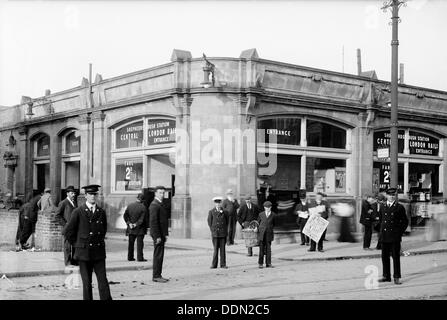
[{"x": 49, "y": 44}]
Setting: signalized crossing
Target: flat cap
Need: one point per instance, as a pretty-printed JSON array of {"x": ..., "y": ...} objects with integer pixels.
[
  {"x": 267, "y": 204},
  {"x": 91, "y": 188},
  {"x": 47, "y": 190},
  {"x": 248, "y": 197},
  {"x": 229, "y": 191}
]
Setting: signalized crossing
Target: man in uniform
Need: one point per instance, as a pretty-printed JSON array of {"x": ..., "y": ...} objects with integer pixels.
[
  {"x": 158, "y": 221},
  {"x": 231, "y": 205},
  {"x": 266, "y": 220},
  {"x": 394, "y": 221},
  {"x": 218, "y": 220},
  {"x": 135, "y": 217},
  {"x": 381, "y": 202},
  {"x": 247, "y": 213},
  {"x": 63, "y": 215},
  {"x": 86, "y": 231}
]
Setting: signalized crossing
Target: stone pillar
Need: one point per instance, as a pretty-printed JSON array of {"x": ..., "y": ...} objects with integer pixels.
[
  {"x": 25, "y": 164},
  {"x": 181, "y": 223},
  {"x": 55, "y": 167}
]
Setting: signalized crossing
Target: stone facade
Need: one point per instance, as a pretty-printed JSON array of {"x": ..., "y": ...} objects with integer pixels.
[{"x": 246, "y": 89}]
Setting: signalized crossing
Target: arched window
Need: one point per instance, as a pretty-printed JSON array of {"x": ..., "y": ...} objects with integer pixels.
[
  {"x": 322, "y": 134},
  {"x": 43, "y": 146},
  {"x": 72, "y": 143}
]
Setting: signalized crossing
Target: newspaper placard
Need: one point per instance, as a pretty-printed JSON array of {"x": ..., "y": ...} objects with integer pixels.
[{"x": 315, "y": 227}]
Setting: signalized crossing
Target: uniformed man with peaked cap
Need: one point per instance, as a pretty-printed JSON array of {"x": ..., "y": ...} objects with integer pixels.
[
  {"x": 218, "y": 219},
  {"x": 86, "y": 230},
  {"x": 394, "y": 221}
]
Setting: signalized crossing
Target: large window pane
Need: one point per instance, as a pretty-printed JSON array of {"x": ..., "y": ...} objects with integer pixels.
[
  {"x": 325, "y": 175},
  {"x": 320, "y": 134},
  {"x": 73, "y": 143},
  {"x": 286, "y": 130},
  {"x": 43, "y": 146},
  {"x": 423, "y": 176},
  {"x": 160, "y": 170},
  {"x": 287, "y": 175},
  {"x": 129, "y": 174},
  {"x": 130, "y": 136}
]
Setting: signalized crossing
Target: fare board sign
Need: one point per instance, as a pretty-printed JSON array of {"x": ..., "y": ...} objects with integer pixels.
[{"x": 160, "y": 131}]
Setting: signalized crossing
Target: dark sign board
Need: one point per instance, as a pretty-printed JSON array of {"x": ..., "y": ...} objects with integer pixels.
[
  {"x": 160, "y": 131},
  {"x": 423, "y": 144},
  {"x": 384, "y": 175},
  {"x": 286, "y": 130},
  {"x": 130, "y": 136},
  {"x": 382, "y": 140}
]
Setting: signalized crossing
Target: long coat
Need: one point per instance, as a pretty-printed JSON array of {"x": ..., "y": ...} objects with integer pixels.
[
  {"x": 64, "y": 211},
  {"x": 367, "y": 214},
  {"x": 158, "y": 220},
  {"x": 394, "y": 221},
  {"x": 136, "y": 213},
  {"x": 231, "y": 207},
  {"x": 218, "y": 222},
  {"x": 86, "y": 231},
  {"x": 248, "y": 215},
  {"x": 266, "y": 226}
]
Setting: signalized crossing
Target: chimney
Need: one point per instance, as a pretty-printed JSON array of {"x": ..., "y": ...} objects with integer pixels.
[
  {"x": 401, "y": 73},
  {"x": 359, "y": 62}
]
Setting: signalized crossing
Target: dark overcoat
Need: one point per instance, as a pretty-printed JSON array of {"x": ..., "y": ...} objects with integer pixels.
[
  {"x": 266, "y": 226},
  {"x": 158, "y": 220},
  {"x": 394, "y": 221},
  {"x": 136, "y": 213},
  {"x": 218, "y": 222},
  {"x": 248, "y": 215},
  {"x": 86, "y": 231},
  {"x": 64, "y": 211}
]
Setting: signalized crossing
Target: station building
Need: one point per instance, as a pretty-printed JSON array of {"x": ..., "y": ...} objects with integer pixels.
[{"x": 200, "y": 126}]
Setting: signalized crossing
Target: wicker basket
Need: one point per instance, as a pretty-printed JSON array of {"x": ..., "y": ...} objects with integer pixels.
[{"x": 250, "y": 234}]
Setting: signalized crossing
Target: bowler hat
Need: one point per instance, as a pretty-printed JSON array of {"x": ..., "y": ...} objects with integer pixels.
[
  {"x": 391, "y": 191},
  {"x": 70, "y": 189},
  {"x": 267, "y": 204},
  {"x": 91, "y": 188}
]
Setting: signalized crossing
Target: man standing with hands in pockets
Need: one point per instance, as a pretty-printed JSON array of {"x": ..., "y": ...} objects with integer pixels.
[{"x": 158, "y": 218}]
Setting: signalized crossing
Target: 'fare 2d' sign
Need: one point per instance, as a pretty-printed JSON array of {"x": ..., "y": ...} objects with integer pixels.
[{"x": 160, "y": 131}]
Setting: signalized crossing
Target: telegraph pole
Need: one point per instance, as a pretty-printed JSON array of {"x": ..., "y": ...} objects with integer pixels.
[{"x": 393, "y": 6}]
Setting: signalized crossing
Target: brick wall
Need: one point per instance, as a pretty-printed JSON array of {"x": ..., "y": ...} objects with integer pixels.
[
  {"x": 8, "y": 226},
  {"x": 48, "y": 232}
]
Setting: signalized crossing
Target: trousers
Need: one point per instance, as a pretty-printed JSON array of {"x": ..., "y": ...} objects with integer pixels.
[
  {"x": 231, "y": 229},
  {"x": 86, "y": 269},
  {"x": 367, "y": 234},
  {"x": 313, "y": 244},
  {"x": 219, "y": 247},
  {"x": 157, "y": 261},
  {"x": 393, "y": 249},
  {"x": 265, "y": 248},
  {"x": 140, "y": 245}
]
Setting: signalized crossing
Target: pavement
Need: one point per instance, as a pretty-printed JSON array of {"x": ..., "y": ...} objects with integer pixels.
[{"x": 27, "y": 263}]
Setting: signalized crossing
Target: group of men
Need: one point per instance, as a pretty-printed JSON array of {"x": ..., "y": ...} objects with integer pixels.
[
  {"x": 222, "y": 223},
  {"x": 386, "y": 215}
]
